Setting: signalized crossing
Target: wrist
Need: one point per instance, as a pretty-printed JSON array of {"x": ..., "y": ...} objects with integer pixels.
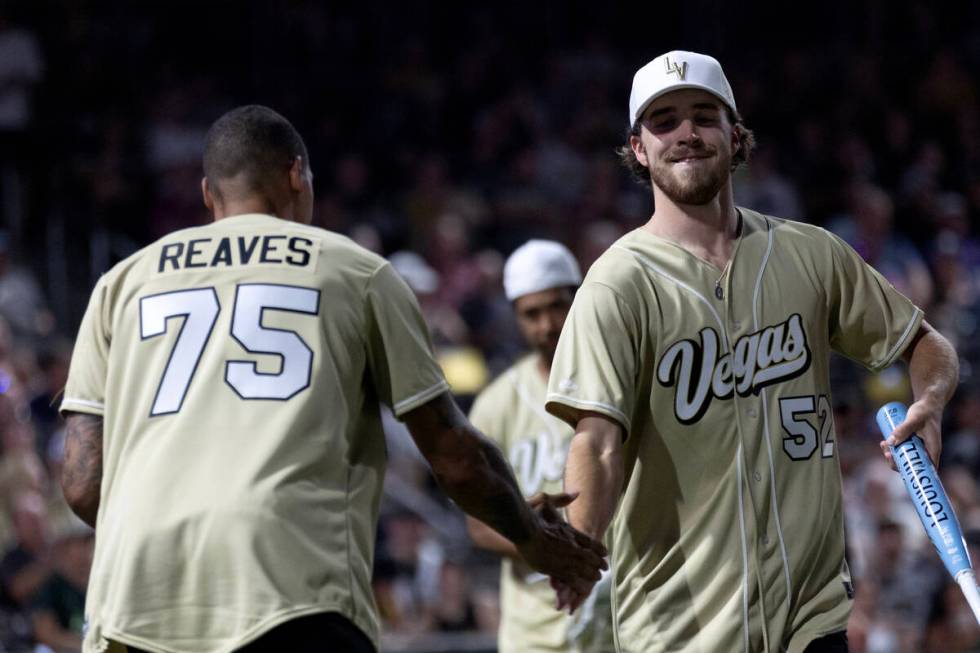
[
  {"x": 932, "y": 400},
  {"x": 532, "y": 534}
]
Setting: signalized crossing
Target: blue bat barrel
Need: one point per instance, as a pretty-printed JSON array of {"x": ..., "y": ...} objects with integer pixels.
[{"x": 928, "y": 495}]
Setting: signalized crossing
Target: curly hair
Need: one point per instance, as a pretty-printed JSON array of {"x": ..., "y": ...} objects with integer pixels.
[{"x": 641, "y": 174}]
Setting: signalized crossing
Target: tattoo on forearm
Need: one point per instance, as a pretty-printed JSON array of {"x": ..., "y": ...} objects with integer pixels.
[
  {"x": 81, "y": 475},
  {"x": 494, "y": 497}
]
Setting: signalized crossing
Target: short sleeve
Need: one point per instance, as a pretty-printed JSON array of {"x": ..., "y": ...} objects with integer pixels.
[
  {"x": 596, "y": 363},
  {"x": 404, "y": 371},
  {"x": 870, "y": 321},
  {"x": 85, "y": 389}
]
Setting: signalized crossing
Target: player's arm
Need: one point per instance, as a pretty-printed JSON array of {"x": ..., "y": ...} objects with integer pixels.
[
  {"x": 486, "y": 538},
  {"x": 474, "y": 474},
  {"x": 934, "y": 371},
  {"x": 81, "y": 473},
  {"x": 594, "y": 470}
]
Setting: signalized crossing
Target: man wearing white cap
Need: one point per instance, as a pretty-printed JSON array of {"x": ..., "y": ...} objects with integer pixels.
[
  {"x": 694, "y": 368},
  {"x": 540, "y": 279}
]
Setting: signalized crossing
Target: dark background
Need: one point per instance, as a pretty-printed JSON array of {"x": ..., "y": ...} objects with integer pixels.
[{"x": 458, "y": 132}]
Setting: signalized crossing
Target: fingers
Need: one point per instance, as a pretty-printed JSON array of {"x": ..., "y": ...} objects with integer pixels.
[
  {"x": 887, "y": 451},
  {"x": 587, "y": 542},
  {"x": 915, "y": 420},
  {"x": 921, "y": 419},
  {"x": 933, "y": 446},
  {"x": 562, "y": 499},
  {"x": 559, "y": 500}
]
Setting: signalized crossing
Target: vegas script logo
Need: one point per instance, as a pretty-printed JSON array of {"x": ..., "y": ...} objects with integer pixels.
[{"x": 701, "y": 373}]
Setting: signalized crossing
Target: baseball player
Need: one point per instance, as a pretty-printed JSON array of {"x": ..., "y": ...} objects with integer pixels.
[
  {"x": 540, "y": 279},
  {"x": 223, "y": 425},
  {"x": 694, "y": 368}
]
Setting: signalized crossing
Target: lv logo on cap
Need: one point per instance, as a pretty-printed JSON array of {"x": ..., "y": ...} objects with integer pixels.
[{"x": 672, "y": 67}]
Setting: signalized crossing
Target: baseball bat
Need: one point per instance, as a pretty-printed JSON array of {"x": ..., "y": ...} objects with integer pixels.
[{"x": 931, "y": 502}]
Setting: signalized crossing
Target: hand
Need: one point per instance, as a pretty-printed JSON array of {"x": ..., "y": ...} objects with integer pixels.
[
  {"x": 548, "y": 505},
  {"x": 566, "y": 597},
  {"x": 560, "y": 551},
  {"x": 924, "y": 419}
]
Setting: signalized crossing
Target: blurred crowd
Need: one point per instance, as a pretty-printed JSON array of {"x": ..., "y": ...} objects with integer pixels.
[{"x": 443, "y": 138}]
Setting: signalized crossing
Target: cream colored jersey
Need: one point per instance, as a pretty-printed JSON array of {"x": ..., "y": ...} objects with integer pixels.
[
  {"x": 238, "y": 367},
  {"x": 511, "y": 412},
  {"x": 729, "y": 532}
]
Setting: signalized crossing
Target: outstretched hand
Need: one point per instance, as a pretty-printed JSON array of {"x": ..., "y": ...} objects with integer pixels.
[
  {"x": 923, "y": 419},
  {"x": 569, "y": 598},
  {"x": 566, "y": 555}
]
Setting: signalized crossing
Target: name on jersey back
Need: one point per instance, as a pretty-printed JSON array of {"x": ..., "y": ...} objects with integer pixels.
[{"x": 236, "y": 251}]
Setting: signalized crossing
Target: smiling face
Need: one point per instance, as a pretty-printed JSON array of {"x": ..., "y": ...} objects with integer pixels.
[{"x": 687, "y": 141}]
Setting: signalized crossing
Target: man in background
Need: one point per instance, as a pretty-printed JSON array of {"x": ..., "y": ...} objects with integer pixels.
[{"x": 540, "y": 279}]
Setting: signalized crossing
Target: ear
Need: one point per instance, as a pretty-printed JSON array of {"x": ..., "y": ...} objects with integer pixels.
[
  {"x": 639, "y": 151},
  {"x": 206, "y": 194},
  {"x": 736, "y": 141},
  {"x": 296, "y": 172}
]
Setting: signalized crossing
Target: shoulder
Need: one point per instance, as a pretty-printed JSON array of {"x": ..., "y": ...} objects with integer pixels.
[
  {"x": 800, "y": 239},
  {"x": 787, "y": 228},
  {"x": 621, "y": 279},
  {"x": 623, "y": 261},
  {"x": 342, "y": 252}
]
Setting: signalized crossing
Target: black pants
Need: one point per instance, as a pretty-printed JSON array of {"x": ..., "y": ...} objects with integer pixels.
[
  {"x": 327, "y": 632},
  {"x": 832, "y": 643}
]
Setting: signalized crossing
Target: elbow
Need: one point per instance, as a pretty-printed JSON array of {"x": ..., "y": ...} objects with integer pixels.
[{"x": 83, "y": 501}]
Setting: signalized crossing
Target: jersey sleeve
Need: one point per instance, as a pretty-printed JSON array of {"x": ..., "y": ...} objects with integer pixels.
[
  {"x": 85, "y": 389},
  {"x": 595, "y": 366},
  {"x": 870, "y": 321},
  {"x": 404, "y": 371}
]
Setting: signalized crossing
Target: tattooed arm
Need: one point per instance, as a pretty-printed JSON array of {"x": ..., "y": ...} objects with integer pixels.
[
  {"x": 473, "y": 472},
  {"x": 81, "y": 475}
]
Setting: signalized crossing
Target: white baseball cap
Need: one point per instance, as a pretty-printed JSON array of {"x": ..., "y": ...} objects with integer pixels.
[
  {"x": 675, "y": 70},
  {"x": 539, "y": 265}
]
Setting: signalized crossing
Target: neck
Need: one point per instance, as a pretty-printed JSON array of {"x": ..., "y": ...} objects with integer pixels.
[
  {"x": 544, "y": 366},
  {"x": 254, "y": 204},
  {"x": 708, "y": 230}
]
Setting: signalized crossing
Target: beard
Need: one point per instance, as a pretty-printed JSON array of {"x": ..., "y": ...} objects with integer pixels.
[{"x": 696, "y": 184}]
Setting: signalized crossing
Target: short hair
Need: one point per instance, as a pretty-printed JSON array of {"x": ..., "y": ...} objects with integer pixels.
[
  {"x": 641, "y": 174},
  {"x": 252, "y": 142}
]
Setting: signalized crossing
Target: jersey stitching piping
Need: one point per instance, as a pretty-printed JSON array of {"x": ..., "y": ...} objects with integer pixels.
[
  {"x": 419, "y": 396},
  {"x": 765, "y": 422},
  {"x": 653, "y": 266},
  {"x": 83, "y": 402},
  {"x": 894, "y": 350},
  {"x": 745, "y": 552},
  {"x": 582, "y": 403}
]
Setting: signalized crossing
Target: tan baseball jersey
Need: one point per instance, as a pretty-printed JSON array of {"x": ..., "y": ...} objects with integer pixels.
[
  {"x": 729, "y": 532},
  {"x": 511, "y": 412},
  {"x": 238, "y": 367}
]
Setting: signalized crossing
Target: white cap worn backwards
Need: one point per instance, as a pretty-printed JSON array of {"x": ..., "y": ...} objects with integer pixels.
[
  {"x": 676, "y": 70},
  {"x": 539, "y": 265}
]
